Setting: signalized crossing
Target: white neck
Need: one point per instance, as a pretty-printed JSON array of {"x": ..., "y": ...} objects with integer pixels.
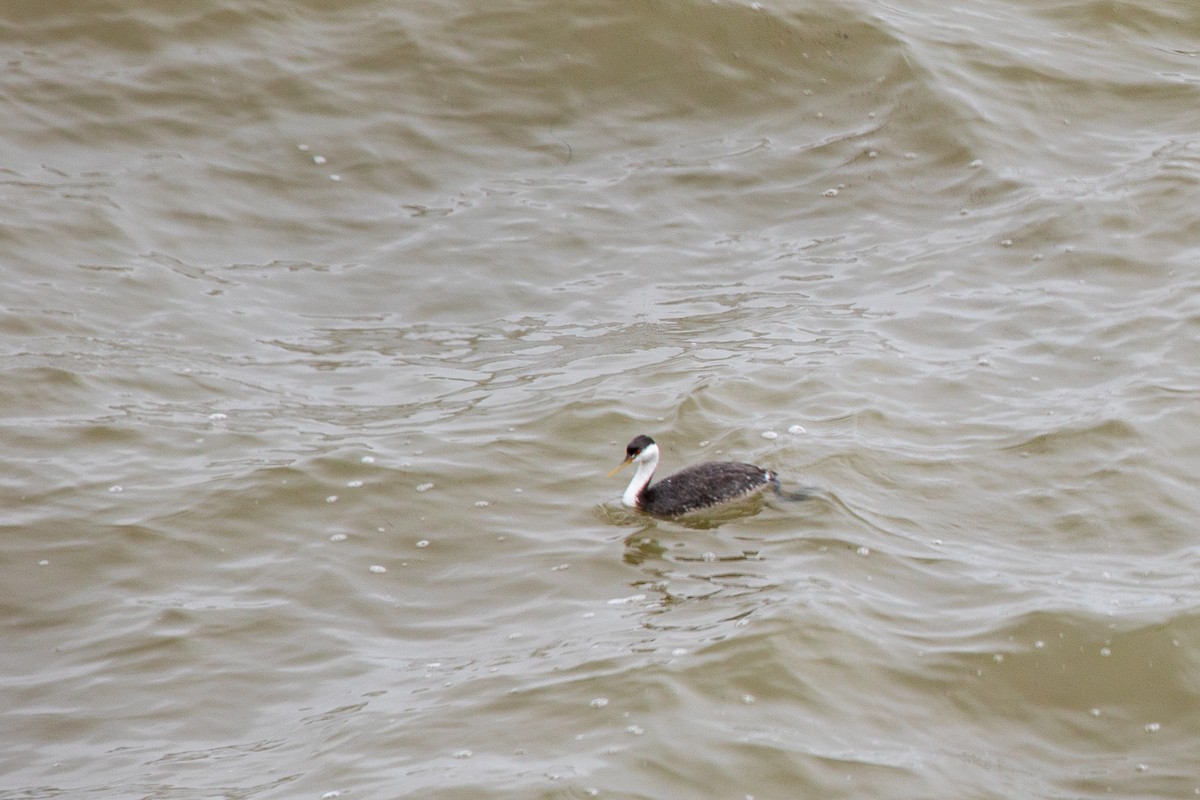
[{"x": 647, "y": 462}]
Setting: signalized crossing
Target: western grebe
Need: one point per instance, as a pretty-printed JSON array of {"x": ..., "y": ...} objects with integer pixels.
[{"x": 701, "y": 486}]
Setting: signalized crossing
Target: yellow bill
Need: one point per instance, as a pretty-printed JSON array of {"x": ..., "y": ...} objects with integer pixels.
[{"x": 619, "y": 467}]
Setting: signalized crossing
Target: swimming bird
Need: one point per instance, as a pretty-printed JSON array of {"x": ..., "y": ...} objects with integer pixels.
[{"x": 701, "y": 486}]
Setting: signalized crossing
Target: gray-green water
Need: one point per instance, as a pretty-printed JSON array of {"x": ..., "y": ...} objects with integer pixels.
[{"x": 323, "y": 322}]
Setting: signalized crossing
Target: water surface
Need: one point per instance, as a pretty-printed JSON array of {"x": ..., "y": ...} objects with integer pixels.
[{"x": 323, "y": 323}]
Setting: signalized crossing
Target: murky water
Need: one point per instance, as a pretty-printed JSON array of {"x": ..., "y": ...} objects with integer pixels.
[{"x": 323, "y": 323}]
